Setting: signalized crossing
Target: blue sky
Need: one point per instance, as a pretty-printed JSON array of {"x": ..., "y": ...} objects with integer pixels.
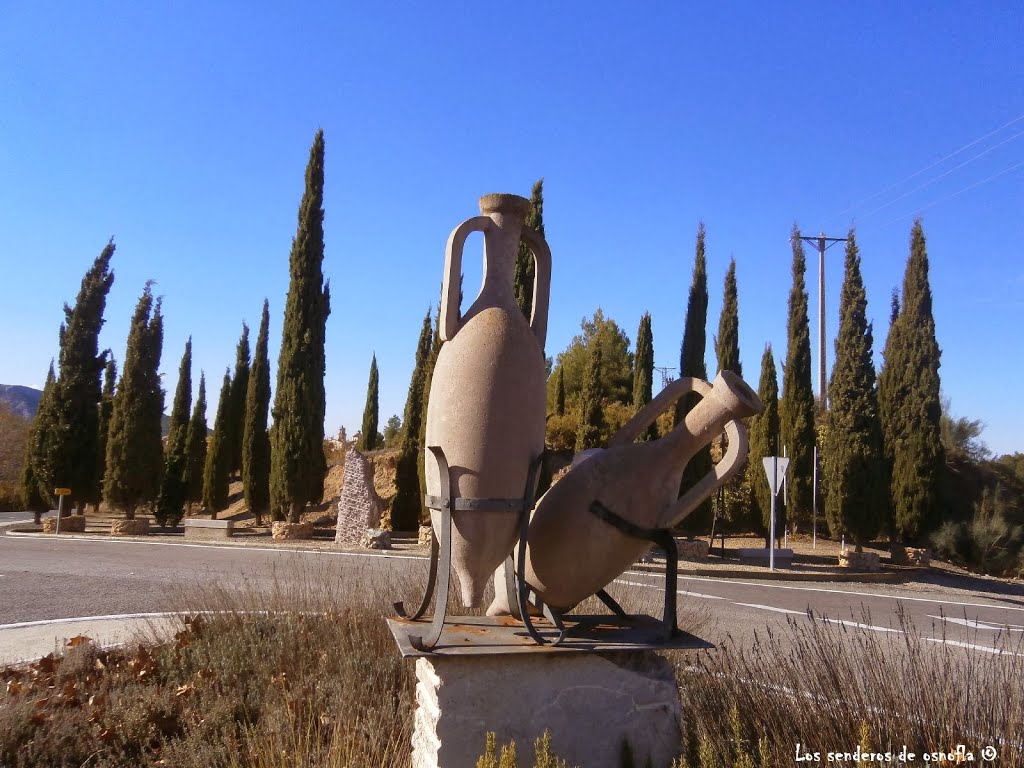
[{"x": 183, "y": 131}]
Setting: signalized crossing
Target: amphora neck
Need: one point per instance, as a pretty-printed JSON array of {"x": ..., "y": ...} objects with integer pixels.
[{"x": 501, "y": 245}]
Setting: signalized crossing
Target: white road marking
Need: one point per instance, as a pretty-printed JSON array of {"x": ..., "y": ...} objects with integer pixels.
[
  {"x": 233, "y": 548},
  {"x": 858, "y": 625},
  {"x": 836, "y": 592},
  {"x": 977, "y": 624},
  {"x": 110, "y": 617},
  {"x": 971, "y": 646},
  {"x": 679, "y": 592},
  {"x": 772, "y": 608}
]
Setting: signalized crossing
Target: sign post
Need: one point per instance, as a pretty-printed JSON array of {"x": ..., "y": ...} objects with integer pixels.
[
  {"x": 775, "y": 469},
  {"x": 60, "y": 493}
]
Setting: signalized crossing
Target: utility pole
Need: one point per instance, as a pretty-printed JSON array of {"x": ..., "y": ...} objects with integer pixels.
[{"x": 822, "y": 243}]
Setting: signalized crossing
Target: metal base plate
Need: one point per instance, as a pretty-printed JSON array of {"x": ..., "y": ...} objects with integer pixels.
[{"x": 505, "y": 635}]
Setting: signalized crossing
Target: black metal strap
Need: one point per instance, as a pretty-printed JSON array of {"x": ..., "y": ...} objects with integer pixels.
[
  {"x": 661, "y": 537},
  {"x": 429, "y": 640},
  {"x": 468, "y": 504}
]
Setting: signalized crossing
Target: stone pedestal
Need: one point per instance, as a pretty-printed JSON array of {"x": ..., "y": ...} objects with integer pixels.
[
  {"x": 282, "y": 530},
  {"x": 860, "y": 561},
  {"x": 590, "y": 703},
  {"x": 138, "y": 526},
  {"x": 692, "y": 549},
  {"x": 68, "y": 524}
]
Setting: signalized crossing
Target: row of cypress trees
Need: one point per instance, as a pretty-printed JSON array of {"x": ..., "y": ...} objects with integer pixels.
[{"x": 105, "y": 443}]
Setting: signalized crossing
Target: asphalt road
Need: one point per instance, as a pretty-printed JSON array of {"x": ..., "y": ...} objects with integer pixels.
[{"x": 48, "y": 578}]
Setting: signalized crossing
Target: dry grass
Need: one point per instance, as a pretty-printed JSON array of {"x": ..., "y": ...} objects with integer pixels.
[{"x": 303, "y": 672}]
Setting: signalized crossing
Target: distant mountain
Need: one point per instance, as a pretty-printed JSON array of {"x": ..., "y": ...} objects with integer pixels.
[{"x": 22, "y": 400}]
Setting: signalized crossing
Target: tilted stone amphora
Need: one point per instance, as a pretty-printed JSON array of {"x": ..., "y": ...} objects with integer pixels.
[
  {"x": 487, "y": 401},
  {"x": 571, "y": 553}
]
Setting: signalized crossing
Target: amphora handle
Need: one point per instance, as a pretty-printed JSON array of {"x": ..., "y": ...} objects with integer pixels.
[
  {"x": 449, "y": 322},
  {"x": 650, "y": 412},
  {"x": 734, "y": 459},
  {"x": 541, "y": 282}
]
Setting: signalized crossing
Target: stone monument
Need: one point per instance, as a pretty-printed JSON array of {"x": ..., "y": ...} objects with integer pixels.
[{"x": 359, "y": 507}]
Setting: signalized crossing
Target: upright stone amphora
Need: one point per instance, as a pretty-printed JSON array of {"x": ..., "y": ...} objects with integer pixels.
[
  {"x": 487, "y": 401},
  {"x": 571, "y": 553}
]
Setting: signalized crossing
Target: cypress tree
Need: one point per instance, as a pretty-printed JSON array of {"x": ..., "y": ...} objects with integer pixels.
[
  {"x": 172, "y": 491},
  {"x": 255, "y": 438},
  {"x": 196, "y": 446},
  {"x": 764, "y": 435},
  {"x": 910, "y": 404},
  {"x": 523, "y": 276},
  {"x": 106, "y": 409},
  {"x": 218, "y": 457},
  {"x": 368, "y": 439},
  {"x": 297, "y": 462},
  {"x": 239, "y": 390},
  {"x": 408, "y": 500},
  {"x": 36, "y": 488},
  {"x": 727, "y": 342},
  {"x": 435, "y": 350},
  {"x": 691, "y": 363},
  {"x": 588, "y": 433},
  {"x": 796, "y": 410},
  {"x": 853, "y": 461},
  {"x": 134, "y": 445},
  {"x": 560, "y": 392},
  {"x": 72, "y": 436},
  {"x": 643, "y": 372}
]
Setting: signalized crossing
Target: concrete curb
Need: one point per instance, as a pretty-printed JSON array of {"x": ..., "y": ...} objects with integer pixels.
[{"x": 785, "y": 575}]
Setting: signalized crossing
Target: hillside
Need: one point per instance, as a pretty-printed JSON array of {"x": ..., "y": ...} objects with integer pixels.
[{"x": 22, "y": 400}]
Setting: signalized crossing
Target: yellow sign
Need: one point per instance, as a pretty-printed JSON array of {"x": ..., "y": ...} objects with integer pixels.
[{"x": 61, "y": 491}]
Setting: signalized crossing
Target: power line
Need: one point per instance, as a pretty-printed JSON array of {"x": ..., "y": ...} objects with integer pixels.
[
  {"x": 940, "y": 176},
  {"x": 928, "y": 167},
  {"x": 968, "y": 188}
]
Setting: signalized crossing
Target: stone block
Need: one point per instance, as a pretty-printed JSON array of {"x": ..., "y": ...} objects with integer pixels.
[
  {"x": 282, "y": 530},
  {"x": 359, "y": 506},
  {"x": 760, "y": 556},
  {"x": 860, "y": 561},
  {"x": 426, "y": 534},
  {"x": 138, "y": 526},
  {"x": 68, "y": 524},
  {"x": 693, "y": 549},
  {"x": 589, "y": 702},
  {"x": 198, "y": 528},
  {"x": 920, "y": 558},
  {"x": 376, "y": 538}
]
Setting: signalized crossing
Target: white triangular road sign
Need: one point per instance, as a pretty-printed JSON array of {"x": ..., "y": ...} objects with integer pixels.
[{"x": 775, "y": 470}]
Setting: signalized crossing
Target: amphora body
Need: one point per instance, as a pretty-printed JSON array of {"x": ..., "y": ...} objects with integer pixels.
[
  {"x": 571, "y": 553},
  {"x": 487, "y": 401}
]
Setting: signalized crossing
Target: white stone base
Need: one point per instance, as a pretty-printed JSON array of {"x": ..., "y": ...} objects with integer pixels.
[{"x": 589, "y": 702}]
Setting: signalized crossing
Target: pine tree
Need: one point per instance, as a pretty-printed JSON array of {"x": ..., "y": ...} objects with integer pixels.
[
  {"x": 560, "y": 392},
  {"x": 643, "y": 372},
  {"x": 368, "y": 439},
  {"x": 764, "y": 436},
  {"x": 407, "y": 503},
  {"x": 525, "y": 269},
  {"x": 72, "y": 435},
  {"x": 796, "y": 409},
  {"x": 172, "y": 491},
  {"x": 853, "y": 460},
  {"x": 36, "y": 486},
  {"x": 588, "y": 433},
  {"x": 727, "y": 342},
  {"x": 691, "y": 363},
  {"x": 910, "y": 405},
  {"x": 196, "y": 443},
  {"x": 134, "y": 446},
  {"x": 216, "y": 480},
  {"x": 297, "y": 462},
  {"x": 239, "y": 389},
  {"x": 106, "y": 409},
  {"x": 255, "y": 438}
]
